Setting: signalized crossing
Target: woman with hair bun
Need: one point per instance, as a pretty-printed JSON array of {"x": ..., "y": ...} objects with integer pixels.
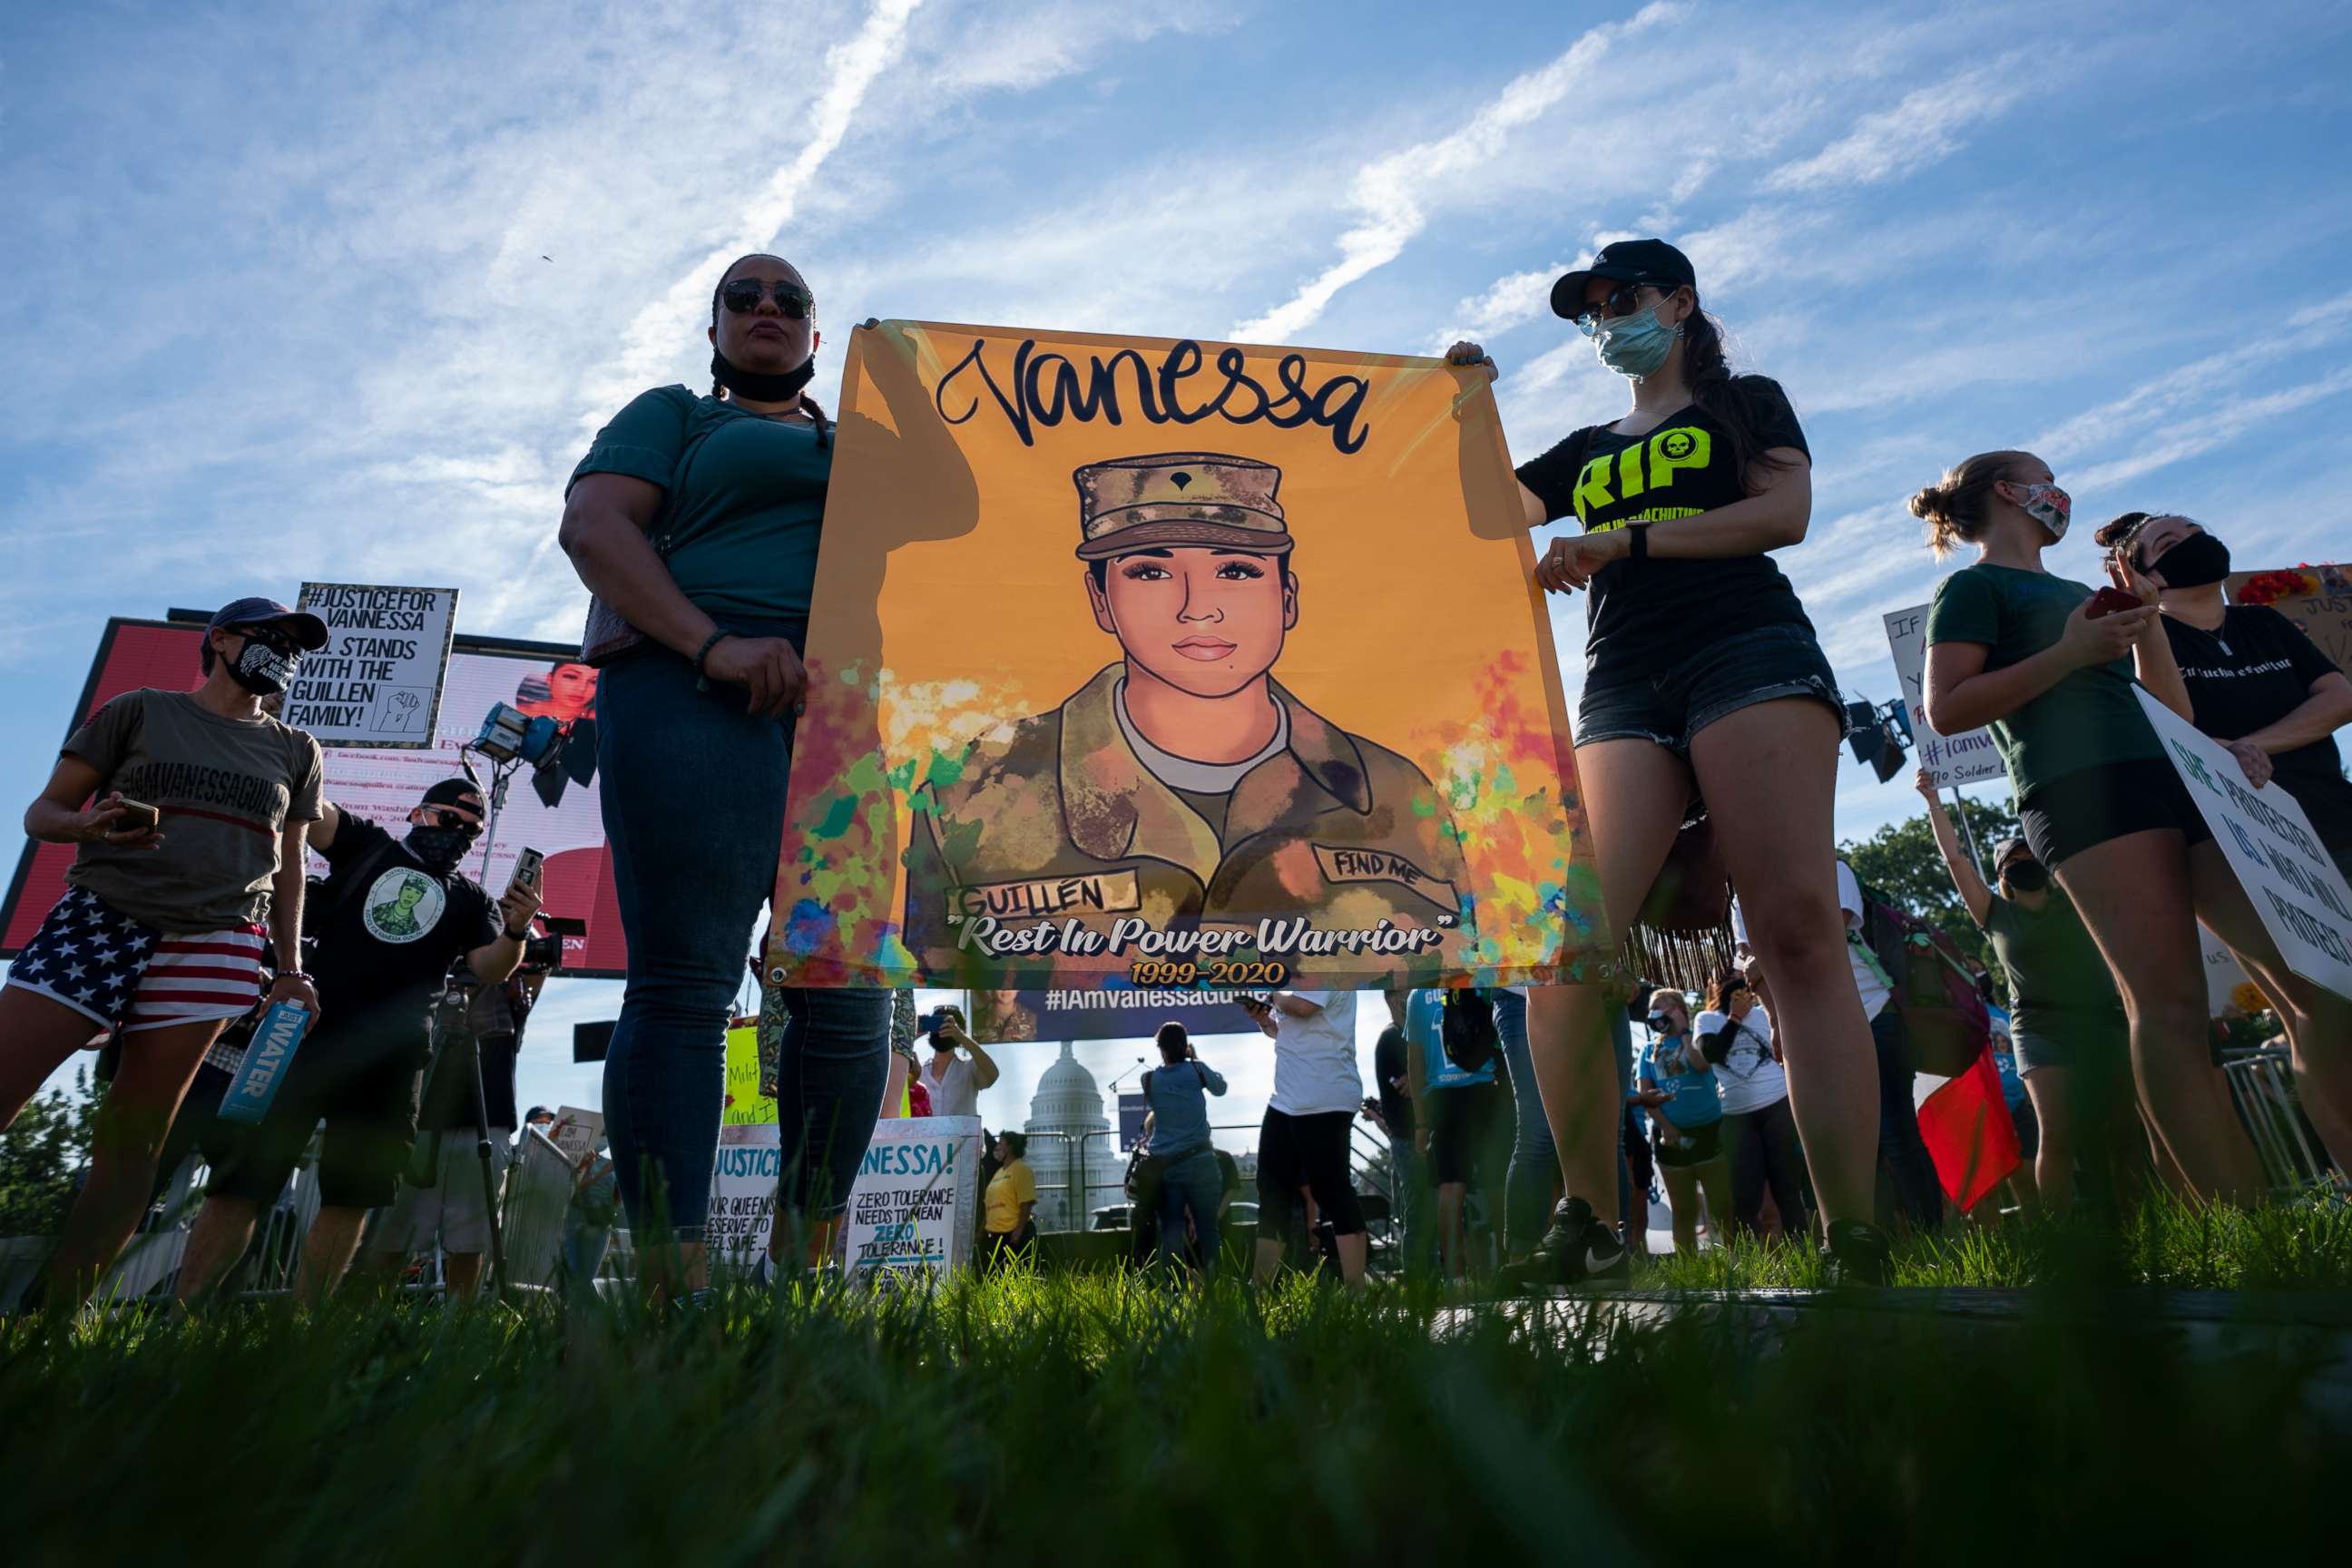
[
  {"x": 2263, "y": 689},
  {"x": 2049, "y": 668},
  {"x": 1703, "y": 678}
]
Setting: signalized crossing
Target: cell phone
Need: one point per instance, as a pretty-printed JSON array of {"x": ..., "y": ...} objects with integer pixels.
[
  {"x": 1258, "y": 1003},
  {"x": 137, "y": 816},
  {"x": 528, "y": 866},
  {"x": 933, "y": 1022}
]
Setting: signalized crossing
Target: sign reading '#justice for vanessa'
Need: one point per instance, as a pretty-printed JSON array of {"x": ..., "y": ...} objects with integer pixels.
[{"x": 1182, "y": 664}]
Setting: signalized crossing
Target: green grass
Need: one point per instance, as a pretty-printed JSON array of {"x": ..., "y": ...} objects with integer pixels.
[
  {"x": 2166, "y": 1243},
  {"x": 1042, "y": 1418}
]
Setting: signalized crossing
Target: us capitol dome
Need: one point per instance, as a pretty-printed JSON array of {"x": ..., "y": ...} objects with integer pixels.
[{"x": 1068, "y": 1107}]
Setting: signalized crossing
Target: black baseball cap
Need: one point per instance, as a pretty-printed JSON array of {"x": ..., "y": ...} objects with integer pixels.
[
  {"x": 308, "y": 629},
  {"x": 2010, "y": 850},
  {"x": 1626, "y": 261},
  {"x": 456, "y": 792}
]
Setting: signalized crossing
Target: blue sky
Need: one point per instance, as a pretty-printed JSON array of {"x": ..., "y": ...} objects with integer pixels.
[{"x": 278, "y": 306}]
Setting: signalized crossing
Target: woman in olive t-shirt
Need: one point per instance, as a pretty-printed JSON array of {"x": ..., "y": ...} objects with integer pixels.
[
  {"x": 697, "y": 520},
  {"x": 2257, "y": 684},
  {"x": 2012, "y": 646}
]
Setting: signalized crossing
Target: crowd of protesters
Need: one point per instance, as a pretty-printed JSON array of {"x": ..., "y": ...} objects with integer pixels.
[{"x": 1709, "y": 720}]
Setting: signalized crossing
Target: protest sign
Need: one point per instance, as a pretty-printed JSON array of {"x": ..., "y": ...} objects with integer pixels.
[
  {"x": 2223, "y": 974},
  {"x": 1110, "y": 1012},
  {"x": 576, "y": 1131},
  {"x": 916, "y": 1202},
  {"x": 1178, "y": 663},
  {"x": 2316, "y": 598},
  {"x": 1968, "y": 757},
  {"x": 747, "y": 1102},
  {"x": 2269, "y": 843},
  {"x": 378, "y": 680},
  {"x": 743, "y": 1194}
]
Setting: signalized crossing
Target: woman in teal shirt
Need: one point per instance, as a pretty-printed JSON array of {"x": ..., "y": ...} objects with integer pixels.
[
  {"x": 697, "y": 520},
  {"x": 2011, "y": 645}
]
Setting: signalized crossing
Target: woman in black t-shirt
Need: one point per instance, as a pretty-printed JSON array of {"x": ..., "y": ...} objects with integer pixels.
[
  {"x": 2259, "y": 686},
  {"x": 1702, "y": 680}
]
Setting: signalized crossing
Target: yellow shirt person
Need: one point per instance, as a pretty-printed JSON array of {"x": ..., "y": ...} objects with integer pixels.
[
  {"x": 1013, "y": 1186},
  {"x": 1182, "y": 784}
]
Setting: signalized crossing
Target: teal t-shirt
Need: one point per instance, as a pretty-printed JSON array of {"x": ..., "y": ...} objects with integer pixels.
[
  {"x": 2088, "y": 718},
  {"x": 740, "y": 531}
]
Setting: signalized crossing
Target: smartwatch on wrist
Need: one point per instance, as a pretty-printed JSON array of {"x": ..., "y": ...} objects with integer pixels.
[{"x": 1637, "y": 546}]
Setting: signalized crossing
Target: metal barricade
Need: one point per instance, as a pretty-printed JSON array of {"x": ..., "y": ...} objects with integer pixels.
[{"x": 2261, "y": 1084}]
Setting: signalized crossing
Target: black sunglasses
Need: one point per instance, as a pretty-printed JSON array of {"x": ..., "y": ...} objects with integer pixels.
[
  {"x": 274, "y": 638},
  {"x": 1621, "y": 300},
  {"x": 444, "y": 816},
  {"x": 743, "y": 295}
]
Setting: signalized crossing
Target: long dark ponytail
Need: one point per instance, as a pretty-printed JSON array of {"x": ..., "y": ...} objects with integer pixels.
[{"x": 1720, "y": 395}]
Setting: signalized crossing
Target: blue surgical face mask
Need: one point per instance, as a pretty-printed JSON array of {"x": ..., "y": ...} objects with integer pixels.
[{"x": 1634, "y": 344}]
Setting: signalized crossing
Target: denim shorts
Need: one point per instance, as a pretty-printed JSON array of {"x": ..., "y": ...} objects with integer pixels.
[{"x": 1669, "y": 705}]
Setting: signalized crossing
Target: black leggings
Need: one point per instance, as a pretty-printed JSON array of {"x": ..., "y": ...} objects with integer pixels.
[
  {"x": 1311, "y": 1152},
  {"x": 1765, "y": 1151}
]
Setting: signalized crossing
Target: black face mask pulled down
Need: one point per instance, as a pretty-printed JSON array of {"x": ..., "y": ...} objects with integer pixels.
[
  {"x": 2197, "y": 560},
  {"x": 440, "y": 848},
  {"x": 262, "y": 669},
  {"x": 759, "y": 387},
  {"x": 2026, "y": 876}
]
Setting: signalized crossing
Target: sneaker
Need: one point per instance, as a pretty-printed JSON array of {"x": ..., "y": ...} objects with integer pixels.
[
  {"x": 1859, "y": 1255},
  {"x": 1577, "y": 1249}
]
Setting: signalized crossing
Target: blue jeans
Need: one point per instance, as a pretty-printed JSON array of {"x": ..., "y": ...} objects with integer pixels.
[
  {"x": 1535, "y": 1165},
  {"x": 693, "y": 791},
  {"x": 1193, "y": 1183}
]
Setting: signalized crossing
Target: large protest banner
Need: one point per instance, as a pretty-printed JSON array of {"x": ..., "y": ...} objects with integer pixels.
[
  {"x": 2316, "y": 598},
  {"x": 1109, "y": 1012},
  {"x": 556, "y": 813},
  {"x": 915, "y": 1205},
  {"x": 2287, "y": 873},
  {"x": 1968, "y": 757},
  {"x": 1177, "y": 662},
  {"x": 378, "y": 680}
]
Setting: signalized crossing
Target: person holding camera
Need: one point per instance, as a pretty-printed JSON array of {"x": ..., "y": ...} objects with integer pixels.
[
  {"x": 958, "y": 1069},
  {"x": 391, "y": 918},
  {"x": 187, "y": 811},
  {"x": 1759, "y": 1135},
  {"x": 1182, "y": 1154},
  {"x": 1689, "y": 1121},
  {"x": 1302, "y": 1148}
]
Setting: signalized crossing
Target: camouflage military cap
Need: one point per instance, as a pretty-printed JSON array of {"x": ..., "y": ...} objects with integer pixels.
[{"x": 1179, "y": 498}]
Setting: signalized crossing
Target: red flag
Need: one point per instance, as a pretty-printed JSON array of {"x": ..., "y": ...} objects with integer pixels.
[{"x": 1967, "y": 1129}]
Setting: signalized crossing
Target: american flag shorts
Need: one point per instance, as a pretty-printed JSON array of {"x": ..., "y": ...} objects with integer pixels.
[{"x": 123, "y": 972}]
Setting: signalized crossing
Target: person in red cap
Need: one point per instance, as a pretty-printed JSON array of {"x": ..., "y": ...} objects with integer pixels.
[{"x": 188, "y": 810}]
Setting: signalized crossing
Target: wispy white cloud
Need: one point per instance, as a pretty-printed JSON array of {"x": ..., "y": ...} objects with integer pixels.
[
  {"x": 650, "y": 343},
  {"x": 1926, "y": 126},
  {"x": 1390, "y": 195}
]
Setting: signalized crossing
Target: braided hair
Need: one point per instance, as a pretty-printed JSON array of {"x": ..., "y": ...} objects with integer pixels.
[{"x": 822, "y": 425}]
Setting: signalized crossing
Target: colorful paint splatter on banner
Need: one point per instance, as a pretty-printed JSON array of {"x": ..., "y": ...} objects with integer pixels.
[{"x": 1176, "y": 665}]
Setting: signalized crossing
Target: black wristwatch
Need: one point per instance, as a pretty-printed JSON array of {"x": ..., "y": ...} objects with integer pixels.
[
  {"x": 1638, "y": 542},
  {"x": 522, "y": 935}
]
